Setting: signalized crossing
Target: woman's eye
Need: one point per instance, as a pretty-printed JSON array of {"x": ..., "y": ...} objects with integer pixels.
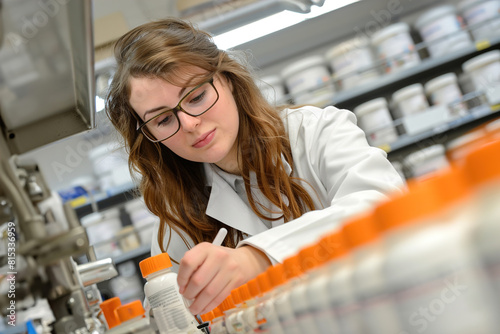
[
  {"x": 197, "y": 97},
  {"x": 165, "y": 119}
]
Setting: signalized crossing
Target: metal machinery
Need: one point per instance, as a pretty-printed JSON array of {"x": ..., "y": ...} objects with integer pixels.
[{"x": 46, "y": 94}]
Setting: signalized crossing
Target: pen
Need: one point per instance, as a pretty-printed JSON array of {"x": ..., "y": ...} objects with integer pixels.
[{"x": 219, "y": 238}]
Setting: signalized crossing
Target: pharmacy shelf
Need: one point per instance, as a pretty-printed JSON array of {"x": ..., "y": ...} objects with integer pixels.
[
  {"x": 133, "y": 254},
  {"x": 107, "y": 202},
  {"x": 426, "y": 70}
]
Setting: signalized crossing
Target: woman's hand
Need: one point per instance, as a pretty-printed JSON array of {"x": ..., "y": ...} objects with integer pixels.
[{"x": 208, "y": 273}]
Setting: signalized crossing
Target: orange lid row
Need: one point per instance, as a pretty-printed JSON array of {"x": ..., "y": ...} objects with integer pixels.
[{"x": 115, "y": 313}]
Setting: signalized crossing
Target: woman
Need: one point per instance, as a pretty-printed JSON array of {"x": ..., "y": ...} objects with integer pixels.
[{"x": 214, "y": 153}]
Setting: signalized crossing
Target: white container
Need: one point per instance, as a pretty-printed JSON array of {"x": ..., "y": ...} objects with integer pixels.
[
  {"x": 482, "y": 17},
  {"x": 445, "y": 90},
  {"x": 395, "y": 47},
  {"x": 352, "y": 62},
  {"x": 142, "y": 219},
  {"x": 426, "y": 161},
  {"x": 441, "y": 30},
  {"x": 308, "y": 81},
  {"x": 409, "y": 101},
  {"x": 162, "y": 292},
  {"x": 273, "y": 88},
  {"x": 484, "y": 72},
  {"x": 375, "y": 119}
]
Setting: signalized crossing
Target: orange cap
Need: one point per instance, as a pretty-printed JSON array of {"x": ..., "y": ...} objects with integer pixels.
[
  {"x": 154, "y": 264},
  {"x": 108, "y": 308},
  {"x": 334, "y": 245},
  {"x": 309, "y": 258},
  {"x": 253, "y": 287},
  {"x": 217, "y": 312},
  {"x": 360, "y": 231},
  {"x": 235, "y": 294},
  {"x": 227, "y": 304},
  {"x": 245, "y": 292},
  {"x": 130, "y": 311},
  {"x": 207, "y": 317},
  {"x": 292, "y": 266},
  {"x": 264, "y": 283},
  {"x": 483, "y": 164},
  {"x": 424, "y": 198},
  {"x": 277, "y": 274}
]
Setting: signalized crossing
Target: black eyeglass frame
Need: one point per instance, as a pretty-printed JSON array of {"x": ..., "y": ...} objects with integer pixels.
[{"x": 178, "y": 108}]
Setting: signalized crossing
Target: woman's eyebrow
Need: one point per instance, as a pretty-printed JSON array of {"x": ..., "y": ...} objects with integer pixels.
[{"x": 179, "y": 95}]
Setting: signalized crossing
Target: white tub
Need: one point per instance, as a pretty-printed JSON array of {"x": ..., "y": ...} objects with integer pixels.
[
  {"x": 352, "y": 62},
  {"x": 395, "y": 47},
  {"x": 482, "y": 17},
  {"x": 484, "y": 73},
  {"x": 426, "y": 161},
  {"x": 376, "y": 121},
  {"x": 273, "y": 88},
  {"x": 308, "y": 81},
  {"x": 442, "y": 31},
  {"x": 409, "y": 100},
  {"x": 446, "y": 91}
]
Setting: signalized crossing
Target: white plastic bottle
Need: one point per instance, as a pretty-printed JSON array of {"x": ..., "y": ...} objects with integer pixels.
[
  {"x": 218, "y": 322},
  {"x": 132, "y": 319},
  {"x": 249, "y": 292},
  {"x": 267, "y": 318},
  {"x": 162, "y": 292},
  {"x": 282, "y": 304}
]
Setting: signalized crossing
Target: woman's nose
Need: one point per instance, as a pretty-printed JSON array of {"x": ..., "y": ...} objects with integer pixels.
[{"x": 188, "y": 123}]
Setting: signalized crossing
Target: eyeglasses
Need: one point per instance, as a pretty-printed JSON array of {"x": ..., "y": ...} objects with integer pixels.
[{"x": 195, "y": 103}]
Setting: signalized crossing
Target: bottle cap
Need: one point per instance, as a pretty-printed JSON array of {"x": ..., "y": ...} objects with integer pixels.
[
  {"x": 235, "y": 294},
  {"x": 217, "y": 312},
  {"x": 277, "y": 274},
  {"x": 245, "y": 292},
  {"x": 108, "y": 308},
  {"x": 253, "y": 287},
  {"x": 130, "y": 311},
  {"x": 482, "y": 165},
  {"x": 292, "y": 266},
  {"x": 309, "y": 258},
  {"x": 334, "y": 245},
  {"x": 154, "y": 264},
  {"x": 207, "y": 317},
  {"x": 360, "y": 230},
  {"x": 227, "y": 304},
  {"x": 264, "y": 283}
]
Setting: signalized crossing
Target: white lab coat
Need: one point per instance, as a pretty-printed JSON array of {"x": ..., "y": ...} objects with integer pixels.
[{"x": 331, "y": 153}]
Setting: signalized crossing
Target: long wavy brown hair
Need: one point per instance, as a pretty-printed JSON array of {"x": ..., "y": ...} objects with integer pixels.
[{"x": 175, "y": 189}]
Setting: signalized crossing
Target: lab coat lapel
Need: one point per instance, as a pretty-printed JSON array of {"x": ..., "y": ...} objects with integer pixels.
[{"x": 227, "y": 207}]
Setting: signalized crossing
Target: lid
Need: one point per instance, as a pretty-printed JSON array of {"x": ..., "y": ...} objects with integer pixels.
[
  {"x": 264, "y": 283},
  {"x": 253, "y": 287},
  {"x": 334, "y": 244},
  {"x": 235, "y": 294},
  {"x": 277, "y": 274},
  {"x": 108, "y": 308},
  {"x": 420, "y": 156},
  {"x": 440, "y": 81},
  {"x": 154, "y": 264},
  {"x": 303, "y": 64},
  {"x": 360, "y": 231},
  {"x": 207, "y": 317},
  {"x": 245, "y": 292},
  {"x": 481, "y": 60},
  {"x": 433, "y": 14},
  {"x": 217, "y": 312},
  {"x": 130, "y": 311},
  {"x": 408, "y": 91},
  {"x": 482, "y": 165},
  {"x": 369, "y": 106},
  {"x": 292, "y": 266},
  {"x": 390, "y": 31},
  {"x": 309, "y": 258},
  {"x": 347, "y": 46},
  {"x": 424, "y": 199},
  {"x": 464, "y": 5},
  {"x": 227, "y": 304}
]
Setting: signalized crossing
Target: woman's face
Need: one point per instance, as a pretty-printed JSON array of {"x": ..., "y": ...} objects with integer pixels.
[{"x": 210, "y": 137}]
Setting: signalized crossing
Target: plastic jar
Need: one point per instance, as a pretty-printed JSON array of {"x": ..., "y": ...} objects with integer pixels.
[
  {"x": 484, "y": 72},
  {"x": 482, "y": 17},
  {"x": 395, "y": 47},
  {"x": 446, "y": 91},
  {"x": 426, "y": 161},
  {"x": 409, "y": 100},
  {"x": 308, "y": 80},
  {"x": 132, "y": 319},
  {"x": 352, "y": 62},
  {"x": 459, "y": 147},
  {"x": 267, "y": 317},
  {"x": 162, "y": 292},
  {"x": 142, "y": 219},
  {"x": 282, "y": 304},
  {"x": 441, "y": 30},
  {"x": 376, "y": 121},
  {"x": 272, "y": 88}
]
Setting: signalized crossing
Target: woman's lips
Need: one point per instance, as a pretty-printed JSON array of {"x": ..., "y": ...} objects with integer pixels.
[{"x": 205, "y": 139}]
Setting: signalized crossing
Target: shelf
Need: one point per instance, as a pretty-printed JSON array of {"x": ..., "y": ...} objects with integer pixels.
[
  {"x": 107, "y": 202},
  {"x": 140, "y": 251}
]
